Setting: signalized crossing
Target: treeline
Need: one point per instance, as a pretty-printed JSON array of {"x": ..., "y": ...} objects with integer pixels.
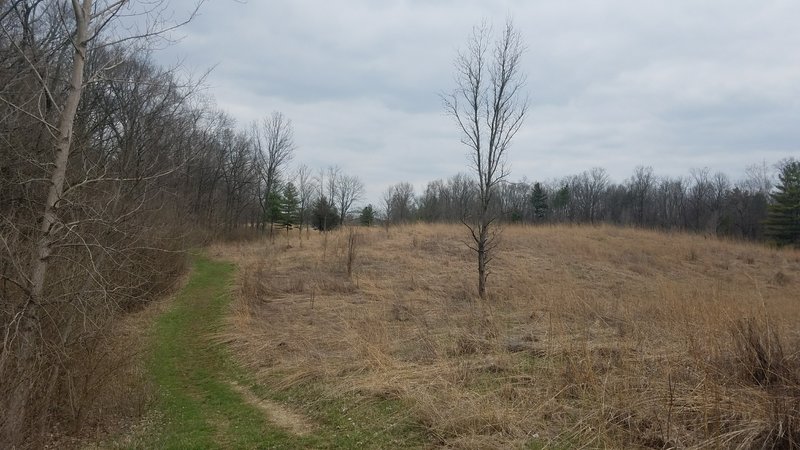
[
  {"x": 110, "y": 168},
  {"x": 702, "y": 201}
]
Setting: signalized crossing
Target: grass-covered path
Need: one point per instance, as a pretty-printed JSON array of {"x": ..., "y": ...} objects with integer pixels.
[
  {"x": 201, "y": 399},
  {"x": 207, "y": 401}
]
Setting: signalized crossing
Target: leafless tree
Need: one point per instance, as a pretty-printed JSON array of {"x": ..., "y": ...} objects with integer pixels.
[
  {"x": 721, "y": 185},
  {"x": 387, "y": 200},
  {"x": 699, "y": 198},
  {"x": 758, "y": 179},
  {"x": 327, "y": 181},
  {"x": 513, "y": 199},
  {"x": 489, "y": 107},
  {"x": 239, "y": 173},
  {"x": 74, "y": 219},
  {"x": 640, "y": 187},
  {"x": 349, "y": 189},
  {"x": 274, "y": 141},
  {"x": 306, "y": 187},
  {"x": 671, "y": 203},
  {"x": 587, "y": 190},
  {"x": 450, "y": 200},
  {"x": 21, "y": 341},
  {"x": 341, "y": 189},
  {"x": 399, "y": 203}
]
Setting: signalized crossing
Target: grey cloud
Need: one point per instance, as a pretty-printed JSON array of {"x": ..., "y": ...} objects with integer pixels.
[{"x": 613, "y": 83}]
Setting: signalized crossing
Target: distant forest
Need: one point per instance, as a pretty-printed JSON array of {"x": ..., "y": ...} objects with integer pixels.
[{"x": 702, "y": 201}]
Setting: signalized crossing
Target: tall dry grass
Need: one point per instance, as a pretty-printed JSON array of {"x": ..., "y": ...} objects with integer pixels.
[{"x": 592, "y": 336}]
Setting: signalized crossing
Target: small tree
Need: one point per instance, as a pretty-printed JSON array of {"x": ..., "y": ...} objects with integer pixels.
[
  {"x": 489, "y": 108},
  {"x": 367, "y": 216},
  {"x": 274, "y": 210},
  {"x": 289, "y": 206},
  {"x": 561, "y": 201},
  {"x": 325, "y": 216},
  {"x": 539, "y": 202},
  {"x": 783, "y": 222}
]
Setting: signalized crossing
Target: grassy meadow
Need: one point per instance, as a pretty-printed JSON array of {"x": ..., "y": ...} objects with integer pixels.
[{"x": 591, "y": 336}]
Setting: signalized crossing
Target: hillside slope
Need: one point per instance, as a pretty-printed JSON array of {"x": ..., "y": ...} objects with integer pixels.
[{"x": 593, "y": 336}]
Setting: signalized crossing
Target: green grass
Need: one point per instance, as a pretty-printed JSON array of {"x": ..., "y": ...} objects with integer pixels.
[
  {"x": 352, "y": 420},
  {"x": 197, "y": 407}
]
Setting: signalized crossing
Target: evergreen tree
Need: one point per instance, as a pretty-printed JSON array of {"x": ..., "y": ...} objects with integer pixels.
[
  {"x": 274, "y": 207},
  {"x": 539, "y": 202},
  {"x": 562, "y": 198},
  {"x": 561, "y": 201},
  {"x": 324, "y": 216},
  {"x": 289, "y": 206},
  {"x": 783, "y": 222},
  {"x": 367, "y": 216}
]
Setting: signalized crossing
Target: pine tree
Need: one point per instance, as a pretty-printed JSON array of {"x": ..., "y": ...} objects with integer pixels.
[
  {"x": 289, "y": 206},
  {"x": 367, "y": 216},
  {"x": 563, "y": 197},
  {"x": 325, "y": 216},
  {"x": 539, "y": 202},
  {"x": 783, "y": 222},
  {"x": 274, "y": 207}
]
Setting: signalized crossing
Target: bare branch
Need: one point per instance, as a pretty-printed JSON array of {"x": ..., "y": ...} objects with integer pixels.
[{"x": 489, "y": 111}]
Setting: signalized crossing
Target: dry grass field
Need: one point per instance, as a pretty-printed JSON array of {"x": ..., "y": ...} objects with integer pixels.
[{"x": 592, "y": 336}]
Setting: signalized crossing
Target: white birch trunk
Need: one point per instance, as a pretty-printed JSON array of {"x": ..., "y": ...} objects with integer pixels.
[{"x": 30, "y": 316}]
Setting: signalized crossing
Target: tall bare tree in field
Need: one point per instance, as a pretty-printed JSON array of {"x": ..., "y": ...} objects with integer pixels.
[{"x": 489, "y": 107}]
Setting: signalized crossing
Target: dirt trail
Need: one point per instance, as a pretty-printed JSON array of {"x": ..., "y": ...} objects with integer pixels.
[{"x": 278, "y": 415}]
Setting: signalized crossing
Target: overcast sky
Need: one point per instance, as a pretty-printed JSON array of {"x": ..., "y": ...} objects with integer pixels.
[{"x": 672, "y": 84}]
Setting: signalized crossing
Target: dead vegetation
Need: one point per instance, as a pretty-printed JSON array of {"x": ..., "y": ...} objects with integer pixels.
[
  {"x": 116, "y": 391},
  {"x": 591, "y": 336}
]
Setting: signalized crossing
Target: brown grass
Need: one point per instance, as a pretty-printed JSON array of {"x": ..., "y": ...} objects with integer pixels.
[
  {"x": 115, "y": 375},
  {"x": 592, "y": 336}
]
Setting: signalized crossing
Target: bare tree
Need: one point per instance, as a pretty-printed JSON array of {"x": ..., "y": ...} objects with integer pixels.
[
  {"x": 721, "y": 185},
  {"x": 239, "y": 176},
  {"x": 329, "y": 180},
  {"x": 326, "y": 182},
  {"x": 274, "y": 141},
  {"x": 387, "y": 200},
  {"x": 349, "y": 189},
  {"x": 699, "y": 198},
  {"x": 489, "y": 107},
  {"x": 672, "y": 202},
  {"x": 588, "y": 189},
  {"x": 56, "y": 72},
  {"x": 758, "y": 179},
  {"x": 640, "y": 187},
  {"x": 306, "y": 188},
  {"x": 399, "y": 202},
  {"x": 29, "y": 312}
]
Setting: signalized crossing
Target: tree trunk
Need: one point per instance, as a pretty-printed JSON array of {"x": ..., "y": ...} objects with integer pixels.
[
  {"x": 482, "y": 273},
  {"x": 30, "y": 314},
  {"x": 482, "y": 254}
]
